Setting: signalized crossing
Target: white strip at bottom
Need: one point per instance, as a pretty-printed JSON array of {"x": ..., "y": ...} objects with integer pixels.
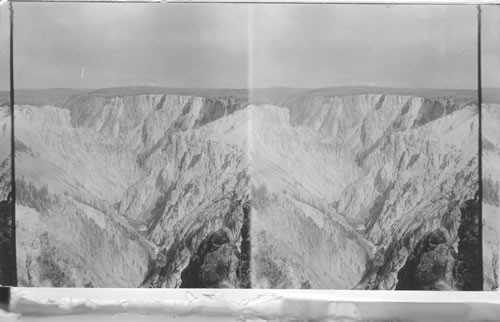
[{"x": 54, "y": 304}]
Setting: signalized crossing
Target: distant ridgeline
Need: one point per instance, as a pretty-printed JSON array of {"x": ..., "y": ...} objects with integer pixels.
[{"x": 62, "y": 96}]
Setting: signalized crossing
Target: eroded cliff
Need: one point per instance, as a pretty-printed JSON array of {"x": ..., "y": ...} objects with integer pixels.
[
  {"x": 158, "y": 190},
  {"x": 377, "y": 172}
]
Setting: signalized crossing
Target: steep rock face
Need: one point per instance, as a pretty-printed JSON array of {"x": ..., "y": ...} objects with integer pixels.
[
  {"x": 491, "y": 193},
  {"x": 154, "y": 177},
  {"x": 123, "y": 116},
  {"x": 431, "y": 264},
  {"x": 185, "y": 245},
  {"x": 83, "y": 174},
  {"x": 295, "y": 177},
  {"x": 470, "y": 254},
  {"x": 192, "y": 274},
  {"x": 396, "y": 167},
  {"x": 4, "y": 132},
  {"x": 5, "y": 138},
  {"x": 219, "y": 269},
  {"x": 216, "y": 264},
  {"x": 5, "y": 179},
  {"x": 197, "y": 183},
  {"x": 7, "y": 259},
  {"x": 435, "y": 271},
  {"x": 7, "y": 269},
  {"x": 435, "y": 264},
  {"x": 361, "y": 120}
]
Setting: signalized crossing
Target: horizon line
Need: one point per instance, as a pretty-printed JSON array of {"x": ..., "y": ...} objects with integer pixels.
[{"x": 244, "y": 88}]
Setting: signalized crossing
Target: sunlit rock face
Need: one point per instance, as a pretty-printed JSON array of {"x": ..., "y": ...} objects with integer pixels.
[
  {"x": 120, "y": 192},
  {"x": 491, "y": 193},
  {"x": 308, "y": 192},
  {"x": 345, "y": 187}
]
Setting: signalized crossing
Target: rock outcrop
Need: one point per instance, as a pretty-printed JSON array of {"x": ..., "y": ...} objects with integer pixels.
[
  {"x": 7, "y": 255},
  {"x": 216, "y": 264},
  {"x": 435, "y": 264},
  {"x": 431, "y": 264},
  {"x": 470, "y": 251}
]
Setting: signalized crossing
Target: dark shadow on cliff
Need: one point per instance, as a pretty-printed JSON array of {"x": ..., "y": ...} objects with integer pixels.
[
  {"x": 7, "y": 256},
  {"x": 220, "y": 259},
  {"x": 218, "y": 263},
  {"x": 435, "y": 265},
  {"x": 470, "y": 252}
]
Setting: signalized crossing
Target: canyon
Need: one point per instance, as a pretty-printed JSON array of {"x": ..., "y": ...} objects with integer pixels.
[{"x": 293, "y": 189}]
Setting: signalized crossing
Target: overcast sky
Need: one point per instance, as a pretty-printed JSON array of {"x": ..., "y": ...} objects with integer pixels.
[
  {"x": 237, "y": 46},
  {"x": 4, "y": 48},
  {"x": 490, "y": 46}
]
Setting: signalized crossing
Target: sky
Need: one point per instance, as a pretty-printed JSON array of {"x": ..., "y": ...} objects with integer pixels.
[
  {"x": 490, "y": 47},
  {"x": 88, "y": 45},
  {"x": 4, "y": 48}
]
